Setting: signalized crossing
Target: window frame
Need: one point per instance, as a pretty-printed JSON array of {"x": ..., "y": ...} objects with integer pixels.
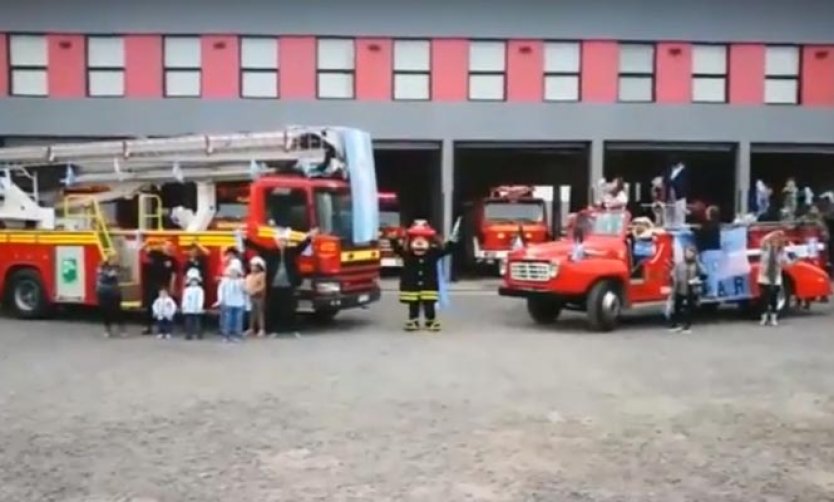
[
  {"x": 712, "y": 76},
  {"x": 631, "y": 74},
  {"x": 503, "y": 74},
  {"x": 105, "y": 69},
  {"x": 166, "y": 69},
  {"x": 245, "y": 70},
  {"x": 395, "y": 72},
  {"x": 794, "y": 78},
  {"x": 351, "y": 72},
  {"x": 577, "y": 74},
  {"x": 13, "y": 67}
]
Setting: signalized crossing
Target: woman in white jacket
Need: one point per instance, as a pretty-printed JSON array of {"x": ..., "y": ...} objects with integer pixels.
[{"x": 773, "y": 258}]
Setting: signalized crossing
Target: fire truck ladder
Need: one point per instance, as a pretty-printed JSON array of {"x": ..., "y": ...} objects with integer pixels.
[
  {"x": 86, "y": 212},
  {"x": 136, "y": 163}
]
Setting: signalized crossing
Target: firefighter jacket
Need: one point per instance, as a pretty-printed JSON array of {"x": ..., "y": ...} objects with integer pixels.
[{"x": 419, "y": 280}]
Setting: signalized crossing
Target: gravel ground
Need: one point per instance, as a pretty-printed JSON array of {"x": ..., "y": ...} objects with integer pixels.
[{"x": 493, "y": 409}]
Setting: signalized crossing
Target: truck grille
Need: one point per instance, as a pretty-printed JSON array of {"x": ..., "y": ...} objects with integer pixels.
[{"x": 534, "y": 271}]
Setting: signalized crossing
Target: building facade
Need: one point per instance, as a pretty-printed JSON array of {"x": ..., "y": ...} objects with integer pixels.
[{"x": 737, "y": 77}]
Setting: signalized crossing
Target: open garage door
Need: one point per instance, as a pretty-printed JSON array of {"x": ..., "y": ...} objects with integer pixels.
[
  {"x": 411, "y": 170},
  {"x": 810, "y": 165},
  {"x": 711, "y": 170},
  {"x": 480, "y": 167}
]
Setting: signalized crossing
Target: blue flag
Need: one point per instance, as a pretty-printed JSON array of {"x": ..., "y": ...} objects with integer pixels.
[
  {"x": 442, "y": 286},
  {"x": 359, "y": 156}
]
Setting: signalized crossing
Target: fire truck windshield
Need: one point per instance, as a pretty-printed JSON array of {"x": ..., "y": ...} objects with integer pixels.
[
  {"x": 334, "y": 212},
  {"x": 287, "y": 207},
  {"x": 606, "y": 223},
  {"x": 506, "y": 211}
]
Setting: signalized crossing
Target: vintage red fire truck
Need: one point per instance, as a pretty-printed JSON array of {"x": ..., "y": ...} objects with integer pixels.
[
  {"x": 622, "y": 266},
  {"x": 510, "y": 214},
  {"x": 390, "y": 229},
  {"x": 55, "y": 234}
]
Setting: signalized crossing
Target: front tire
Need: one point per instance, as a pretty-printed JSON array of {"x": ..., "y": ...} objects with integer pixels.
[
  {"x": 544, "y": 310},
  {"x": 784, "y": 304},
  {"x": 25, "y": 295},
  {"x": 604, "y": 307}
]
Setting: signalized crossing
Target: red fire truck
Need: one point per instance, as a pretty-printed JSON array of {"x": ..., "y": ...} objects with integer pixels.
[
  {"x": 627, "y": 265},
  {"x": 390, "y": 229},
  {"x": 110, "y": 198},
  {"x": 509, "y": 214}
]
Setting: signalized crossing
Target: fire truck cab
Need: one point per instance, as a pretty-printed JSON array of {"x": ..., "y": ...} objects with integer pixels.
[
  {"x": 509, "y": 215},
  {"x": 110, "y": 200},
  {"x": 624, "y": 264},
  {"x": 390, "y": 229}
]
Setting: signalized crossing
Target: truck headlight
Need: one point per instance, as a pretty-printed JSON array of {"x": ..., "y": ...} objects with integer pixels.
[
  {"x": 554, "y": 269},
  {"x": 501, "y": 235},
  {"x": 328, "y": 288}
]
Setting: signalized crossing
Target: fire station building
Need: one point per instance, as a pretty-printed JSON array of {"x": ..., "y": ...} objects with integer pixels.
[{"x": 459, "y": 96}]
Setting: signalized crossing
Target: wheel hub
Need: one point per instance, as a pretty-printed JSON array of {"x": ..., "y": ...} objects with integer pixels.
[
  {"x": 611, "y": 304},
  {"x": 25, "y": 296}
]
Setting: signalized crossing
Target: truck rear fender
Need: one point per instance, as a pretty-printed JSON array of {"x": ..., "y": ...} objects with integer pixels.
[{"x": 809, "y": 281}]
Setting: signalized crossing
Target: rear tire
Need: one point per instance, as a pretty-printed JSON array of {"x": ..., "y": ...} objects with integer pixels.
[
  {"x": 604, "y": 307},
  {"x": 544, "y": 310},
  {"x": 25, "y": 295}
]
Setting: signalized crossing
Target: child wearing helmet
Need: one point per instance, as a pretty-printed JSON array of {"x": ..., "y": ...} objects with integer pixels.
[
  {"x": 193, "y": 304},
  {"x": 419, "y": 281}
]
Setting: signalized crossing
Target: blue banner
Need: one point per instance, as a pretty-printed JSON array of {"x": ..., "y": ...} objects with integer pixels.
[
  {"x": 359, "y": 157},
  {"x": 727, "y": 269}
]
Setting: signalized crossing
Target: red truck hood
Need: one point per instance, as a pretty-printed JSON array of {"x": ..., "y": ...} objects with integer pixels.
[{"x": 594, "y": 246}]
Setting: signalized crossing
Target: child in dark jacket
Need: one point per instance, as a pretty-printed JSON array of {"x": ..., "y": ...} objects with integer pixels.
[
  {"x": 686, "y": 285},
  {"x": 419, "y": 282}
]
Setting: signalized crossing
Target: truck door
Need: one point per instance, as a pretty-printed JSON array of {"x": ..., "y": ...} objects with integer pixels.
[{"x": 650, "y": 268}]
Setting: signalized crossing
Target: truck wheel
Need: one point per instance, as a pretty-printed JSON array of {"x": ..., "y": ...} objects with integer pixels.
[
  {"x": 26, "y": 295},
  {"x": 604, "y": 306},
  {"x": 544, "y": 310},
  {"x": 324, "y": 316}
]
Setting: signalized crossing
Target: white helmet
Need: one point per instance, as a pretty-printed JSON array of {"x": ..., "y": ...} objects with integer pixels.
[
  {"x": 193, "y": 274},
  {"x": 257, "y": 261}
]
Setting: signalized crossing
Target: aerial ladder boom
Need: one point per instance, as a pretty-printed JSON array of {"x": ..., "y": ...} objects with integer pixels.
[{"x": 130, "y": 165}]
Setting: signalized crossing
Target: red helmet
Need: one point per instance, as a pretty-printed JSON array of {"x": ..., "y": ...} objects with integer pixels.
[{"x": 421, "y": 228}]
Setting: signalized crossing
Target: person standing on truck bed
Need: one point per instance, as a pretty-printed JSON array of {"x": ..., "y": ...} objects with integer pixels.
[
  {"x": 283, "y": 279},
  {"x": 160, "y": 271}
]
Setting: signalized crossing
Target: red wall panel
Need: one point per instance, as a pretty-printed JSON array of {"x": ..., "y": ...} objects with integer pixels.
[
  {"x": 450, "y": 69},
  {"x": 374, "y": 66},
  {"x": 143, "y": 66},
  {"x": 525, "y": 70},
  {"x": 600, "y": 69},
  {"x": 4, "y": 65},
  {"x": 221, "y": 66},
  {"x": 674, "y": 73},
  {"x": 747, "y": 70},
  {"x": 67, "y": 66},
  {"x": 298, "y": 67},
  {"x": 818, "y": 75}
]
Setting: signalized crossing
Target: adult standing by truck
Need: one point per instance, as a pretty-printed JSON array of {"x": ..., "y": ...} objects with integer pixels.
[
  {"x": 160, "y": 271},
  {"x": 283, "y": 279}
]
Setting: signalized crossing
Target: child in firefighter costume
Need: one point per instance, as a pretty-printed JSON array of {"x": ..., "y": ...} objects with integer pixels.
[{"x": 420, "y": 280}]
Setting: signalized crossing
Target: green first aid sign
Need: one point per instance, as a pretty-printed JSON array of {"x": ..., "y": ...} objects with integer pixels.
[
  {"x": 69, "y": 270},
  {"x": 70, "y": 276}
]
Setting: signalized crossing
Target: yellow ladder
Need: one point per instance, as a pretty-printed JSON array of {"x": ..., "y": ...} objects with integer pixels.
[{"x": 88, "y": 211}]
